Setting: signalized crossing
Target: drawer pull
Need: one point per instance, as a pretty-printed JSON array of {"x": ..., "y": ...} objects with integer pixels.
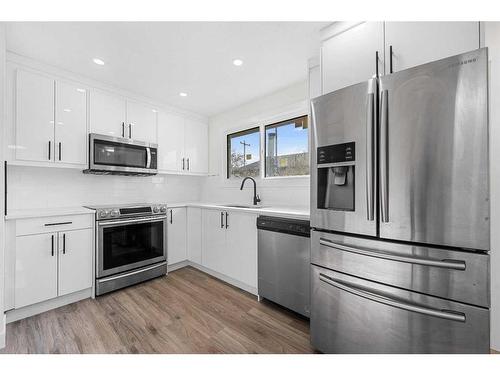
[
  {"x": 444, "y": 314},
  {"x": 61, "y": 223},
  {"x": 443, "y": 263}
]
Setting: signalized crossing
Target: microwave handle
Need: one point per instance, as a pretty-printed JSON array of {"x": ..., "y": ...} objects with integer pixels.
[{"x": 148, "y": 157}]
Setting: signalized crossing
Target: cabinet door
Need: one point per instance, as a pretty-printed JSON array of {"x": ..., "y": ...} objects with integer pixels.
[
  {"x": 194, "y": 234},
  {"x": 415, "y": 43},
  {"x": 213, "y": 235},
  {"x": 241, "y": 243},
  {"x": 34, "y": 117},
  {"x": 350, "y": 57},
  {"x": 107, "y": 114},
  {"x": 75, "y": 260},
  {"x": 141, "y": 122},
  {"x": 196, "y": 146},
  {"x": 176, "y": 235},
  {"x": 71, "y": 124},
  {"x": 36, "y": 269},
  {"x": 170, "y": 142}
]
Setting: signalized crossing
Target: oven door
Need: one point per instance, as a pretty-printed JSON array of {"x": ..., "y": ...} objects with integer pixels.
[
  {"x": 127, "y": 244},
  {"x": 122, "y": 155}
]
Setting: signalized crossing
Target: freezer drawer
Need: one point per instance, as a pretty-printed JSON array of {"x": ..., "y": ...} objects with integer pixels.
[
  {"x": 455, "y": 275},
  {"x": 352, "y": 315}
]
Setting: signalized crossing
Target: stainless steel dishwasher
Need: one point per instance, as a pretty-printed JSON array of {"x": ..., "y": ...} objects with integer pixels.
[{"x": 284, "y": 262}]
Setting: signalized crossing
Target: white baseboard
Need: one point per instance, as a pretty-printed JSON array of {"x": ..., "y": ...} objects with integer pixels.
[
  {"x": 3, "y": 322},
  {"x": 176, "y": 266},
  {"x": 37, "y": 308},
  {"x": 227, "y": 279}
]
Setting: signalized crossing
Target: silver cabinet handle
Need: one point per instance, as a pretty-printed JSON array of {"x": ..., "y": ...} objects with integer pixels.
[
  {"x": 60, "y": 223},
  {"x": 123, "y": 129},
  {"x": 370, "y": 167},
  {"x": 130, "y": 130},
  {"x": 52, "y": 245},
  {"x": 188, "y": 164},
  {"x": 384, "y": 196},
  {"x": 222, "y": 219},
  {"x": 227, "y": 225},
  {"x": 449, "y": 315},
  {"x": 171, "y": 217},
  {"x": 183, "y": 160},
  {"x": 458, "y": 265},
  {"x": 59, "y": 151},
  {"x": 64, "y": 243},
  {"x": 50, "y": 148}
]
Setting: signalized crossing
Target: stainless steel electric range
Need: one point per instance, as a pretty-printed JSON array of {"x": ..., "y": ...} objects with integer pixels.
[{"x": 131, "y": 245}]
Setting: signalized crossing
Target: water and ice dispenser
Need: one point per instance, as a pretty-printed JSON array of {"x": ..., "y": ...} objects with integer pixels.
[{"x": 336, "y": 166}]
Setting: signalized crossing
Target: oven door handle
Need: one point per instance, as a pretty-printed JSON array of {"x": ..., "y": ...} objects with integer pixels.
[{"x": 132, "y": 221}]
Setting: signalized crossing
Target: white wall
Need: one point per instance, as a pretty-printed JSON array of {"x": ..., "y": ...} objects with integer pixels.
[
  {"x": 284, "y": 104},
  {"x": 35, "y": 187},
  {"x": 2, "y": 85},
  {"x": 492, "y": 41}
]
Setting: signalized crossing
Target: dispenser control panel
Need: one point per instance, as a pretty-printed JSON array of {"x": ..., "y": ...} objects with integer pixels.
[{"x": 339, "y": 153}]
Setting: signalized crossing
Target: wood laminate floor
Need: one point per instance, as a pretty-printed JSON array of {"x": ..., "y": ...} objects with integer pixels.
[{"x": 187, "y": 311}]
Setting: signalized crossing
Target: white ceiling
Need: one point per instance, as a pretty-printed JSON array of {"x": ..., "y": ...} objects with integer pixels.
[{"x": 161, "y": 59}]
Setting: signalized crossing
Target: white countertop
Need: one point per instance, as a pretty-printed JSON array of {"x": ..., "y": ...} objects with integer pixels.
[
  {"x": 45, "y": 212},
  {"x": 291, "y": 212}
]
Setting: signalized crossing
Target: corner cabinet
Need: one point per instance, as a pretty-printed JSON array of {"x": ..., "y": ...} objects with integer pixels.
[
  {"x": 229, "y": 244},
  {"x": 354, "y": 52},
  {"x": 182, "y": 144},
  {"x": 51, "y": 120}
]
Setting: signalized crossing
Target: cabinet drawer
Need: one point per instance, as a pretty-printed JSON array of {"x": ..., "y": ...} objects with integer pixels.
[{"x": 53, "y": 224}]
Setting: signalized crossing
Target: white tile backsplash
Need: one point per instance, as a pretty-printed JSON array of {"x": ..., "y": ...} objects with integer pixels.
[{"x": 34, "y": 187}]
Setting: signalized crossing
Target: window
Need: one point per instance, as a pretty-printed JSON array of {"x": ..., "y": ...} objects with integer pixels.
[
  {"x": 287, "y": 148},
  {"x": 243, "y": 153}
]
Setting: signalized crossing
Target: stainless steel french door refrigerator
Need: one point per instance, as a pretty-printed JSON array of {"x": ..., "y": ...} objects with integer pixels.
[{"x": 400, "y": 212}]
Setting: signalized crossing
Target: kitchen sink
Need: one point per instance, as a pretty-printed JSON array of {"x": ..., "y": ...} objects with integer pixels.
[{"x": 241, "y": 206}]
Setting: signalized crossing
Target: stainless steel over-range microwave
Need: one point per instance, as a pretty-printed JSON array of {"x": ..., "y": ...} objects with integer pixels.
[{"x": 114, "y": 155}]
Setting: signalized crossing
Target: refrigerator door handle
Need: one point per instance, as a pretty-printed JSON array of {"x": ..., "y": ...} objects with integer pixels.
[
  {"x": 437, "y": 313},
  {"x": 452, "y": 264},
  {"x": 370, "y": 121},
  {"x": 384, "y": 196}
]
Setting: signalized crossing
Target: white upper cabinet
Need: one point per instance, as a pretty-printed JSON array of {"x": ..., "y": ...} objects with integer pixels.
[
  {"x": 415, "y": 43},
  {"x": 349, "y": 57},
  {"x": 196, "y": 146},
  {"x": 107, "y": 114},
  {"x": 170, "y": 142},
  {"x": 176, "y": 235},
  {"x": 71, "y": 124},
  {"x": 141, "y": 122},
  {"x": 34, "y": 117}
]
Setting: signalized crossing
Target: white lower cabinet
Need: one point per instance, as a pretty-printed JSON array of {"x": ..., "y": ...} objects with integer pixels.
[
  {"x": 36, "y": 269},
  {"x": 176, "y": 235},
  {"x": 50, "y": 264},
  {"x": 229, "y": 244},
  {"x": 194, "y": 234},
  {"x": 75, "y": 261}
]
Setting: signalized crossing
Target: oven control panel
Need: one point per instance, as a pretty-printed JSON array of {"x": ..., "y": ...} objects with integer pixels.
[{"x": 103, "y": 213}]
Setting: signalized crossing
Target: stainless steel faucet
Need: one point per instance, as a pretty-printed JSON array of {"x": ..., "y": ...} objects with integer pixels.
[{"x": 256, "y": 198}]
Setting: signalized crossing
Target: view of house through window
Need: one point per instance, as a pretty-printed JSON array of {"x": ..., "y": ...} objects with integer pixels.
[
  {"x": 287, "y": 148},
  {"x": 243, "y": 153}
]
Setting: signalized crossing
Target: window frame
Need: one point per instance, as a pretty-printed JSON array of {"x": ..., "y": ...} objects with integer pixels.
[
  {"x": 290, "y": 112},
  {"x": 264, "y": 148},
  {"x": 253, "y": 129}
]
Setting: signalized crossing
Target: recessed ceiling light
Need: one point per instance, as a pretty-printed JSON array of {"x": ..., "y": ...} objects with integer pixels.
[
  {"x": 98, "y": 61},
  {"x": 237, "y": 62},
  {"x": 80, "y": 90},
  {"x": 183, "y": 94},
  {"x": 154, "y": 110}
]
